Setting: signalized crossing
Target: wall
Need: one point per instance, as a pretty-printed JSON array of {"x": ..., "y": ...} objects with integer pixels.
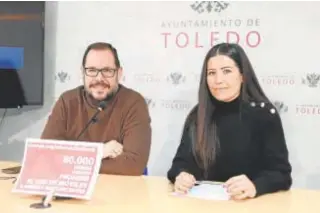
[{"x": 161, "y": 47}]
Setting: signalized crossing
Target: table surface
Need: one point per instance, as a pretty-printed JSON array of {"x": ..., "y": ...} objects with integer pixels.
[{"x": 148, "y": 194}]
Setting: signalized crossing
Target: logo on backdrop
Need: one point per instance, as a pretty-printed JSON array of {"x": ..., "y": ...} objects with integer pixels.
[
  {"x": 176, "y": 104},
  {"x": 176, "y": 78},
  {"x": 308, "y": 109},
  {"x": 311, "y": 80},
  {"x": 278, "y": 80},
  {"x": 169, "y": 104},
  {"x": 150, "y": 102},
  {"x": 204, "y": 32},
  {"x": 209, "y": 6},
  {"x": 146, "y": 78},
  {"x": 62, "y": 77},
  {"x": 280, "y": 106}
]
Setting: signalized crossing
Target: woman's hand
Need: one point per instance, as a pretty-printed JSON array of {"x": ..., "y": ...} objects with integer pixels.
[
  {"x": 184, "y": 181},
  {"x": 240, "y": 187}
]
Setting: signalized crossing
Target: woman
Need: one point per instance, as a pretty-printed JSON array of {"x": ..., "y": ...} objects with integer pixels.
[{"x": 233, "y": 135}]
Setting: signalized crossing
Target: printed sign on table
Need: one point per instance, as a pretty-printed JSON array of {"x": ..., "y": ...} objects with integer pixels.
[{"x": 69, "y": 168}]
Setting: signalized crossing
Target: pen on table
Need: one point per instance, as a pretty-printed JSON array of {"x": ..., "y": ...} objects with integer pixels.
[{"x": 198, "y": 182}]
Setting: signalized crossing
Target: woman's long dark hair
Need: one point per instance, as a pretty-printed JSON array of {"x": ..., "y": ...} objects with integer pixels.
[{"x": 206, "y": 141}]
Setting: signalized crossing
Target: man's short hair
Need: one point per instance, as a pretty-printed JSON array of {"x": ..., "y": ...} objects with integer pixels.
[{"x": 101, "y": 46}]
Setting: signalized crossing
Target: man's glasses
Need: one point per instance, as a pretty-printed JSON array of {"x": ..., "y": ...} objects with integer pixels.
[{"x": 94, "y": 72}]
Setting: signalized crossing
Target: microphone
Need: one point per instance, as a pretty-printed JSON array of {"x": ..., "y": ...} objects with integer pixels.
[{"x": 101, "y": 107}]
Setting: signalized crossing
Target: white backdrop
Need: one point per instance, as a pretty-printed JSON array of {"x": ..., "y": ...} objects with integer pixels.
[{"x": 162, "y": 45}]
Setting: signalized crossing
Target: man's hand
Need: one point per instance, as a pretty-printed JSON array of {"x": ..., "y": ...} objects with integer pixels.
[{"x": 112, "y": 149}]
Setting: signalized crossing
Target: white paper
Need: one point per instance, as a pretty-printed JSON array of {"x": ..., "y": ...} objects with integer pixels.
[{"x": 208, "y": 191}]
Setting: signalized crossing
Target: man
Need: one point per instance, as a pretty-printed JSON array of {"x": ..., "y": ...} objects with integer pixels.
[{"x": 124, "y": 124}]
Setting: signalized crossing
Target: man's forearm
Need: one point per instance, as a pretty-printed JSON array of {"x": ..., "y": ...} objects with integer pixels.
[{"x": 124, "y": 164}]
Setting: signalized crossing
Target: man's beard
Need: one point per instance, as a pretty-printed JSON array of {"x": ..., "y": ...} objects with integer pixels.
[{"x": 109, "y": 95}]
